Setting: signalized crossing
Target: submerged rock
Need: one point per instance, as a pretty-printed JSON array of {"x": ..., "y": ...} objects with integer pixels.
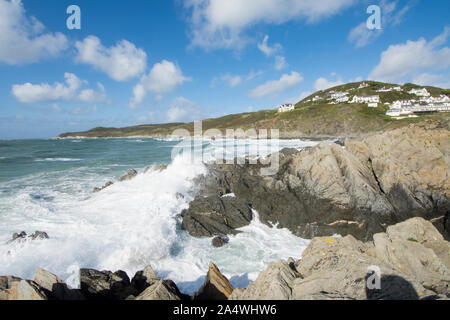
[
  {"x": 215, "y": 287},
  {"x": 108, "y": 184},
  {"x": 22, "y": 236},
  {"x": 219, "y": 242}
]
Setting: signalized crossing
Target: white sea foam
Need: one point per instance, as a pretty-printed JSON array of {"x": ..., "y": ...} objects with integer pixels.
[{"x": 130, "y": 225}]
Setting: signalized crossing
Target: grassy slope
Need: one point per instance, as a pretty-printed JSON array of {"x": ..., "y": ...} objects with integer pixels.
[{"x": 309, "y": 119}]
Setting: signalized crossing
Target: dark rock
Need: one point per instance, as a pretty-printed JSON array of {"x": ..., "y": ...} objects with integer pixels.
[
  {"x": 210, "y": 216},
  {"x": 144, "y": 279},
  {"x": 361, "y": 189},
  {"x": 130, "y": 175},
  {"x": 105, "y": 285},
  {"x": 219, "y": 242},
  {"x": 55, "y": 288},
  {"x": 21, "y": 235}
]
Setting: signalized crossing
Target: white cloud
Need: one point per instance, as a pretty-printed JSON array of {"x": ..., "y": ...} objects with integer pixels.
[
  {"x": 22, "y": 39},
  {"x": 221, "y": 24},
  {"x": 401, "y": 61},
  {"x": 231, "y": 80},
  {"x": 92, "y": 96},
  {"x": 182, "y": 109},
  {"x": 121, "y": 62},
  {"x": 280, "y": 63},
  {"x": 435, "y": 80},
  {"x": 266, "y": 49},
  {"x": 286, "y": 82},
  {"x": 323, "y": 83},
  {"x": 164, "y": 77},
  {"x": 361, "y": 36},
  {"x": 68, "y": 91}
]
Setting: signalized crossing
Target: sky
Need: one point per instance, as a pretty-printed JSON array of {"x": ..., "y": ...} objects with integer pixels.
[{"x": 158, "y": 61}]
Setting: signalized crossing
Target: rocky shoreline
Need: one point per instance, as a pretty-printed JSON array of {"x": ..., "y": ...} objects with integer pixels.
[
  {"x": 387, "y": 195},
  {"x": 411, "y": 261}
]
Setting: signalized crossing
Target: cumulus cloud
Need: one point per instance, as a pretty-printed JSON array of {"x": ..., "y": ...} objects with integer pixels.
[
  {"x": 221, "y": 24},
  {"x": 436, "y": 80},
  {"x": 164, "y": 77},
  {"x": 323, "y": 83},
  {"x": 121, "y": 62},
  {"x": 22, "y": 39},
  {"x": 361, "y": 36},
  {"x": 182, "y": 109},
  {"x": 275, "y": 87},
  {"x": 68, "y": 91},
  {"x": 401, "y": 61}
]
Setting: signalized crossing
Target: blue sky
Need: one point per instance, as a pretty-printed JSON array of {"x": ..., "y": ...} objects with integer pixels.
[{"x": 136, "y": 62}]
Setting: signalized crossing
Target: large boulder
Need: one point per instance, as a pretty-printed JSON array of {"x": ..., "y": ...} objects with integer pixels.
[
  {"x": 359, "y": 189},
  {"x": 105, "y": 285},
  {"x": 215, "y": 215},
  {"x": 215, "y": 287},
  {"x": 12, "y": 288},
  {"x": 161, "y": 290},
  {"x": 54, "y": 287},
  {"x": 273, "y": 284},
  {"x": 408, "y": 262}
]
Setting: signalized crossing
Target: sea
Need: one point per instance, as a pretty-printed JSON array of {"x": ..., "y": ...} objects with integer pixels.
[{"x": 47, "y": 185}]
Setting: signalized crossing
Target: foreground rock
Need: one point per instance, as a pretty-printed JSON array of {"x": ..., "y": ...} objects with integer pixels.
[
  {"x": 215, "y": 287},
  {"x": 359, "y": 190},
  {"x": 408, "y": 262}
]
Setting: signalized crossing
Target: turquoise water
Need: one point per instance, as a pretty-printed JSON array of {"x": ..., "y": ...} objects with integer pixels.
[{"x": 47, "y": 185}]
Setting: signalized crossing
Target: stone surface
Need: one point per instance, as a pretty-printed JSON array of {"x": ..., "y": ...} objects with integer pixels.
[
  {"x": 130, "y": 175},
  {"x": 219, "y": 242},
  {"x": 105, "y": 285},
  {"x": 54, "y": 287},
  {"x": 409, "y": 261},
  {"x": 273, "y": 284},
  {"x": 144, "y": 279},
  {"x": 215, "y": 287},
  {"x": 161, "y": 290},
  {"x": 359, "y": 189},
  {"x": 215, "y": 215},
  {"x": 18, "y": 289}
]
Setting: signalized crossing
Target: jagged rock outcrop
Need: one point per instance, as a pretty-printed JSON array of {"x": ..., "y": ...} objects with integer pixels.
[
  {"x": 12, "y": 288},
  {"x": 105, "y": 285},
  {"x": 161, "y": 290},
  {"x": 54, "y": 287},
  {"x": 215, "y": 215},
  {"x": 409, "y": 261},
  {"x": 130, "y": 175},
  {"x": 215, "y": 287},
  {"x": 359, "y": 189}
]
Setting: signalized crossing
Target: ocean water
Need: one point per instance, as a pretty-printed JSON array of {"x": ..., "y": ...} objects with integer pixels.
[{"x": 47, "y": 185}]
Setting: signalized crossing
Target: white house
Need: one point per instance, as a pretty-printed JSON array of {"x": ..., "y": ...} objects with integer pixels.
[
  {"x": 363, "y": 85},
  {"x": 286, "y": 108},
  {"x": 339, "y": 96},
  {"x": 316, "y": 98},
  {"x": 384, "y": 89},
  {"x": 368, "y": 99},
  {"x": 373, "y": 105},
  {"x": 420, "y": 92}
]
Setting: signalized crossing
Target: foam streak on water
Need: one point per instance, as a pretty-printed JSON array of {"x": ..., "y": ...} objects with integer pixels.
[{"x": 128, "y": 225}]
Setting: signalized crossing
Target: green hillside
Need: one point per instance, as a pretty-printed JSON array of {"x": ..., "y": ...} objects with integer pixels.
[{"x": 309, "y": 119}]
